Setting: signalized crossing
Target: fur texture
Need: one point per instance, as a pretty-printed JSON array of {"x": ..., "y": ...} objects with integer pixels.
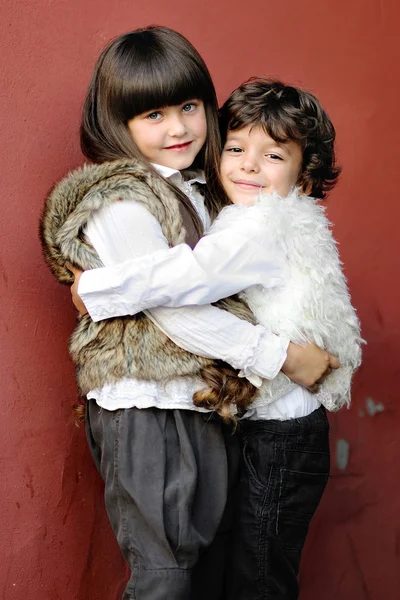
[
  {"x": 109, "y": 350},
  {"x": 314, "y": 303}
]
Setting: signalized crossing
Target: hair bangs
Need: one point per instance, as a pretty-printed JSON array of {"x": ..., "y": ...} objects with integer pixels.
[
  {"x": 274, "y": 120},
  {"x": 159, "y": 80},
  {"x": 280, "y": 126}
]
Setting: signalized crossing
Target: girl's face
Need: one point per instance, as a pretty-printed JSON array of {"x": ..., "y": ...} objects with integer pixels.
[
  {"x": 171, "y": 136},
  {"x": 253, "y": 163}
]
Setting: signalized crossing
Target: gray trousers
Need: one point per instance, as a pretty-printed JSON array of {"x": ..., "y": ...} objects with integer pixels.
[{"x": 166, "y": 479}]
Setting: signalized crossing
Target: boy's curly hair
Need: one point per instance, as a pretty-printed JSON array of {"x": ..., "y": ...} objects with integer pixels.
[{"x": 287, "y": 114}]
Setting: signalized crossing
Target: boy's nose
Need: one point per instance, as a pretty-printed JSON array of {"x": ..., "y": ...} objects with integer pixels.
[{"x": 250, "y": 164}]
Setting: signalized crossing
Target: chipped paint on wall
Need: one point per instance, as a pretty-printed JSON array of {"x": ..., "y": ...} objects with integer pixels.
[
  {"x": 342, "y": 453},
  {"x": 373, "y": 407}
]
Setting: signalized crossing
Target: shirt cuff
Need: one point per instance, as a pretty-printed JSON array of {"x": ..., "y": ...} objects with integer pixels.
[
  {"x": 100, "y": 302},
  {"x": 267, "y": 361}
]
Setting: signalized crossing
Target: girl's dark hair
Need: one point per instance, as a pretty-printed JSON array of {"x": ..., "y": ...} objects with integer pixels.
[
  {"x": 142, "y": 70},
  {"x": 287, "y": 114},
  {"x": 225, "y": 389}
]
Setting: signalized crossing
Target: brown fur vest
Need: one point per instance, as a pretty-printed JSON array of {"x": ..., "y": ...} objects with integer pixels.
[{"x": 109, "y": 350}]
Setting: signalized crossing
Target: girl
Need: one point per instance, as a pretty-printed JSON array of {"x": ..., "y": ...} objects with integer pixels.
[{"x": 163, "y": 461}]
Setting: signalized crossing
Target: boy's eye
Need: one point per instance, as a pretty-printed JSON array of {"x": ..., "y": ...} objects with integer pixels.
[
  {"x": 188, "y": 107},
  {"x": 274, "y": 156},
  {"x": 234, "y": 150}
]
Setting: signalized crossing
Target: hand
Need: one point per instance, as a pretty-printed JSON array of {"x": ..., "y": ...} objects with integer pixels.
[
  {"x": 308, "y": 365},
  {"x": 76, "y": 299}
]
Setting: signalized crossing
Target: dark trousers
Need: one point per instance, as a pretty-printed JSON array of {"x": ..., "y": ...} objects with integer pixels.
[
  {"x": 284, "y": 473},
  {"x": 166, "y": 482},
  {"x": 209, "y": 575}
]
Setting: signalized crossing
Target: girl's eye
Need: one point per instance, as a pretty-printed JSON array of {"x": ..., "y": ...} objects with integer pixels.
[
  {"x": 154, "y": 116},
  {"x": 274, "y": 156},
  {"x": 188, "y": 107}
]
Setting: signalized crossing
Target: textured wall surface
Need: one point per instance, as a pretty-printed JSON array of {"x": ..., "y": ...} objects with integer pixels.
[{"x": 55, "y": 539}]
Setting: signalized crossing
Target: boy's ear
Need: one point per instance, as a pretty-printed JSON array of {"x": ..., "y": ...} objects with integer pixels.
[{"x": 305, "y": 186}]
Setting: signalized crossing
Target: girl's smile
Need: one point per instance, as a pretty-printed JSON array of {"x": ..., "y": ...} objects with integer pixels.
[
  {"x": 179, "y": 147},
  {"x": 171, "y": 136}
]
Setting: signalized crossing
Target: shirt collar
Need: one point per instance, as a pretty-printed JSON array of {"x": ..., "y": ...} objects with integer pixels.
[{"x": 196, "y": 176}]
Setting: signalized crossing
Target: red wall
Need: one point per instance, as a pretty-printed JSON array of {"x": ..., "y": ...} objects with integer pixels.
[{"x": 56, "y": 542}]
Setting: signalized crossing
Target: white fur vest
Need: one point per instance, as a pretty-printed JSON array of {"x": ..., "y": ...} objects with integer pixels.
[
  {"x": 313, "y": 304},
  {"x": 109, "y": 350}
]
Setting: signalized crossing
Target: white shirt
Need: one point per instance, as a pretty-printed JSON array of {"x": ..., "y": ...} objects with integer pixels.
[{"x": 126, "y": 230}]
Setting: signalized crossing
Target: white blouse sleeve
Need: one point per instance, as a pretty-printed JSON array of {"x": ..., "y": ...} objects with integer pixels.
[
  {"x": 127, "y": 229},
  {"x": 227, "y": 261}
]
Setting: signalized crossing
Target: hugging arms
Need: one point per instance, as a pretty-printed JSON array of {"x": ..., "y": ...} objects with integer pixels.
[{"x": 143, "y": 273}]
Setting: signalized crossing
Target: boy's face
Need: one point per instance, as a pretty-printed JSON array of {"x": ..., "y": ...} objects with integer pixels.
[{"x": 252, "y": 163}]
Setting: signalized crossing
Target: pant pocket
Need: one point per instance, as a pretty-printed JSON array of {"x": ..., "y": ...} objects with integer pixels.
[
  {"x": 258, "y": 459},
  {"x": 299, "y": 496}
]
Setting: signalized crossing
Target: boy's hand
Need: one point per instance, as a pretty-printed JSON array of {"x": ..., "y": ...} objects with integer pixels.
[
  {"x": 76, "y": 299},
  {"x": 308, "y": 365}
]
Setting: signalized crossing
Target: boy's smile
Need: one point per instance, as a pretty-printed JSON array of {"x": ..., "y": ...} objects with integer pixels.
[
  {"x": 253, "y": 163},
  {"x": 171, "y": 136}
]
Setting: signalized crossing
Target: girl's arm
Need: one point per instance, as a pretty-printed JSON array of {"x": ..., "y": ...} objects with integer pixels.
[
  {"x": 223, "y": 263},
  {"x": 214, "y": 333}
]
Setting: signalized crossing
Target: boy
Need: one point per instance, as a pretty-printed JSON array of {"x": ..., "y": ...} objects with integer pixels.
[{"x": 278, "y": 156}]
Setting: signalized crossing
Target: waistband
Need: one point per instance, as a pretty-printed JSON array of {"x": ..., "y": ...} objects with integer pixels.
[{"x": 315, "y": 421}]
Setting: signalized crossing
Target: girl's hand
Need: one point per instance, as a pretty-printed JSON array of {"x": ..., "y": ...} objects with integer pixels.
[
  {"x": 308, "y": 365},
  {"x": 76, "y": 299}
]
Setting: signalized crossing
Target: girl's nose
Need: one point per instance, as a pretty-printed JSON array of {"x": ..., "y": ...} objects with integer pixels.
[{"x": 176, "y": 126}]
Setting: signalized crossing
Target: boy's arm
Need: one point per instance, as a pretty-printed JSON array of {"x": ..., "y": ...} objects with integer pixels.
[
  {"x": 223, "y": 263},
  {"x": 126, "y": 229}
]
